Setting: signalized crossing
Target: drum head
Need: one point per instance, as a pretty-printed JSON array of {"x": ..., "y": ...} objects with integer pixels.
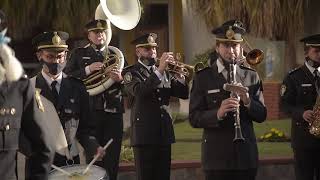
[{"x": 94, "y": 173}]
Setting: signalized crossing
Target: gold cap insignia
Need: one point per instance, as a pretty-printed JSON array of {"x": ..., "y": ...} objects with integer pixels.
[
  {"x": 283, "y": 89},
  {"x": 56, "y": 39},
  {"x": 99, "y": 25},
  {"x": 151, "y": 39},
  {"x": 230, "y": 33}
]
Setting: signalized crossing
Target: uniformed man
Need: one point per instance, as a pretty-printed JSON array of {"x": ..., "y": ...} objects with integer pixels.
[
  {"x": 213, "y": 109},
  {"x": 107, "y": 105},
  {"x": 67, "y": 94},
  {"x": 150, "y": 88},
  {"x": 19, "y": 113},
  {"x": 298, "y": 96}
]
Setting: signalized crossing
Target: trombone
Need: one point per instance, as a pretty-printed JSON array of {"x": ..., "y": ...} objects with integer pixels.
[{"x": 253, "y": 57}]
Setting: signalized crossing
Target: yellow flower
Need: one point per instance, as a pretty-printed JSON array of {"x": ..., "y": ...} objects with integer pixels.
[
  {"x": 268, "y": 135},
  {"x": 261, "y": 137},
  {"x": 273, "y": 129},
  {"x": 280, "y": 134},
  {"x": 277, "y": 132}
]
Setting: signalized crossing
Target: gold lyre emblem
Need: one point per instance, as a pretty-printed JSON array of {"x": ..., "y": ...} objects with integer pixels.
[
  {"x": 230, "y": 33},
  {"x": 99, "y": 24},
  {"x": 38, "y": 100},
  {"x": 56, "y": 39}
]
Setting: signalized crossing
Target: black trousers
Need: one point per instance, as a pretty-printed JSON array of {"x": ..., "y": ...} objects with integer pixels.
[
  {"x": 152, "y": 162},
  {"x": 109, "y": 125},
  {"x": 249, "y": 174},
  {"x": 307, "y": 164}
]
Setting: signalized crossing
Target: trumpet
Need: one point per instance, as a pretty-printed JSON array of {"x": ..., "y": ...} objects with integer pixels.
[{"x": 177, "y": 67}]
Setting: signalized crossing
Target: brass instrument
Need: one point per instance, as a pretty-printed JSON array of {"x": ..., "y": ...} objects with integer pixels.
[
  {"x": 96, "y": 79},
  {"x": 314, "y": 126},
  {"x": 177, "y": 67},
  {"x": 254, "y": 56},
  {"x": 125, "y": 15}
]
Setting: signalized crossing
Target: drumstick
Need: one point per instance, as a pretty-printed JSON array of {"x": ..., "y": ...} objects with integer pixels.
[
  {"x": 96, "y": 157},
  {"x": 61, "y": 170}
]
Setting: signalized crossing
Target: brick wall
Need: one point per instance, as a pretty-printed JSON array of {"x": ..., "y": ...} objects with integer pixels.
[{"x": 271, "y": 93}]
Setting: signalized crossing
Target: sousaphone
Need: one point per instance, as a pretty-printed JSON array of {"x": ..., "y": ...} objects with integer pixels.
[{"x": 125, "y": 15}]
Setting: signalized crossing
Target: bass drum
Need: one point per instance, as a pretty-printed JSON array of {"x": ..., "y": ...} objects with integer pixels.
[{"x": 94, "y": 173}]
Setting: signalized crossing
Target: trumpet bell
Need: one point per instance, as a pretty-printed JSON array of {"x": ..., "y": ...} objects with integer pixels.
[
  {"x": 255, "y": 57},
  {"x": 124, "y": 14}
]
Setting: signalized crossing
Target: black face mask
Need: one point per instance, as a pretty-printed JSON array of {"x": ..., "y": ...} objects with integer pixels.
[
  {"x": 312, "y": 63},
  {"x": 54, "y": 68},
  {"x": 148, "y": 61}
]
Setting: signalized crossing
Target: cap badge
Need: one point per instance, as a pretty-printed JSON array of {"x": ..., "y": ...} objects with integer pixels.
[
  {"x": 151, "y": 39},
  {"x": 99, "y": 24},
  {"x": 230, "y": 33},
  {"x": 56, "y": 39}
]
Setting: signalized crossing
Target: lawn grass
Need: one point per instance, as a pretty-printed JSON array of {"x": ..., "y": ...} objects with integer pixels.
[
  {"x": 188, "y": 140},
  {"x": 184, "y": 150},
  {"x": 192, "y": 150},
  {"x": 183, "y": 130}
]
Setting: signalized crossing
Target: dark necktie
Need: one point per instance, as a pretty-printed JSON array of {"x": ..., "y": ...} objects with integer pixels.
[
  {"x": 54, "y": 92},
  {"x": 315, "y": 73}
]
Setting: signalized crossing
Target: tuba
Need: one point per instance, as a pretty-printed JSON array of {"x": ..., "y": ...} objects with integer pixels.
[
  {"x": 99, "y": 81},
  {"x": 124, "y": 14}
]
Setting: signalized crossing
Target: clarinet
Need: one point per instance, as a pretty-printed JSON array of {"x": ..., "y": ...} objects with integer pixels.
[{"x": 232, "y": 88}]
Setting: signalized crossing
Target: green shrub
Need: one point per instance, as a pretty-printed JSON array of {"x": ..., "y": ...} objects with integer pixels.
[
  {"x": 126, "y": 154},
  {"x": 274, "y": 135}
]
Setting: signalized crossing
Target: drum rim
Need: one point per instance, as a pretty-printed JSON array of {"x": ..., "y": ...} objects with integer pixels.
[{"x": 84, "y": 165}]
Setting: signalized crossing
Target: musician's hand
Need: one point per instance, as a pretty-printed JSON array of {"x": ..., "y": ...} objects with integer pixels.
[
  {"x": 308, "y": 116},
  {"x": 101, "y": 153},
  {"x": 95, "y": 66},
  {"x": 115, "y": 74},
  {"x": 228, "y": 105},
  {"x": 245, "y": 98},
  {"x": 243, "y": 93},
  {"x": 164, "y": 60}
]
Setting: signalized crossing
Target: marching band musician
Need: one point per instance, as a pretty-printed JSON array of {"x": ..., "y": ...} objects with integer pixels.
[
  {"x": 20, "y": 113},
  {"x": 107, "y": 106},
  {"x": 211, "y": 108},
  {"x": 67, "y": 94},
  {"x": 150, "y": 88},
  {"x": 298, "y": 96}
]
